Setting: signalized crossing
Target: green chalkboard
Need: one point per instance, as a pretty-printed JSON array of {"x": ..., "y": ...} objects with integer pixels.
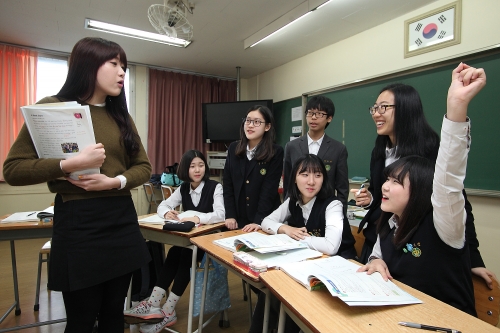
[{"x": 353, "y": 125}]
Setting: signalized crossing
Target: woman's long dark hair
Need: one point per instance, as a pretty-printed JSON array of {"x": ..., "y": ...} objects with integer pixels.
[
  {"x": 312, "y": 164},
  {"x": 265, "y": 149},
  {"x": 420, "y": 172},
  {"x": 412, "y": 132},
  {"x": 88, "y": 55}
]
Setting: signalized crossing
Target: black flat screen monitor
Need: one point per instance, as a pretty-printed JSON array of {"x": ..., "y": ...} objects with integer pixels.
[{"x": 222, "y": 121}]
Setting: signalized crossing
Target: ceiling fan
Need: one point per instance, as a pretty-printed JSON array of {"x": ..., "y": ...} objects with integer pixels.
[{"x": 170, "y": 19}]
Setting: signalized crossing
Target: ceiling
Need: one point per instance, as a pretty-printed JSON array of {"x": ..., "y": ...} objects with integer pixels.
[{"x": 220, "y": 27}]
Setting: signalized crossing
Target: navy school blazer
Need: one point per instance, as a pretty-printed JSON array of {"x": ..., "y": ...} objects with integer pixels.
[{"x": 261, "y": 182}]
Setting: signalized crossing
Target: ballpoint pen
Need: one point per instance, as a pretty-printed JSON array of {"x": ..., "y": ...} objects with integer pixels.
[
  {"x": 31, "y": 214},
  {"x": 359, "y": 191},
  {"x": 429, "y": 328}
]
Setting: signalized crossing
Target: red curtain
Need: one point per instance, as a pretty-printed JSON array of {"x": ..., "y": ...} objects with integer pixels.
[
  {"x": 175, "y": 115},
  {"x": 17, "y": 88}
]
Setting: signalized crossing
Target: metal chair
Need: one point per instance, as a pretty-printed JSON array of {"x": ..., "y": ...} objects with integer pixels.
[
  {"x": 45, "y": 250},
  {"x": 166, "y": 191},
  {"x": 150, "y": 195}
]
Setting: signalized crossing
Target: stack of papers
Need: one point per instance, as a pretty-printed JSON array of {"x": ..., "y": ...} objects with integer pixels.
[
  {"x": 30, "y": 216},
  {"x": 260, "y": 242}
]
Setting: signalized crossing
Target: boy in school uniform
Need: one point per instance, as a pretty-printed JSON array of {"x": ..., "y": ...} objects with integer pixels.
[{"x": 319, "y": 113}]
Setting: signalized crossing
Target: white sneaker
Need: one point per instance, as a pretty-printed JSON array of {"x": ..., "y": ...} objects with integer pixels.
[
  {"x": 144, "y": 312},
  {"x": 169, "y": 320}
]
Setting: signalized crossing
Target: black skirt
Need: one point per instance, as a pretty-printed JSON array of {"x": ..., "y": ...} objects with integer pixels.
[{"x": 93, "y": 241}]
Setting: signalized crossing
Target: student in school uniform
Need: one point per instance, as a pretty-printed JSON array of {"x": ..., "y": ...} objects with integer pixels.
[
  {"x": 311, "y": 214},
  {"x": 421, "y": 232},
  {"x": 252, "y": 172},
  {"x": 96, "y": 241},
  {"x": 402, "y": 131},
  {"x": 198, "y": 193},
  {"x": 319, "y": 113}
]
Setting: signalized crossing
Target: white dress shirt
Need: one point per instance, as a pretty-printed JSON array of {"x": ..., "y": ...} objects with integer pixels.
[
  {"x": 314, "y": 145},
  {"x": 251, "y": 152},
  {"x": 218, "y": 215},
  {"x": 333, "y": 229},
  {"x": 447, "y": 198}
]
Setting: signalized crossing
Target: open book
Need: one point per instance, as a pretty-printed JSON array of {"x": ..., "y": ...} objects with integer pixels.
[
  {"x": 260, "y": 242},
  {"x": 60, "y": 130},
  {"x": 342, "y": 280},
  {"x": 155, "y": 219},
  {"x": 30, "y": 216}
]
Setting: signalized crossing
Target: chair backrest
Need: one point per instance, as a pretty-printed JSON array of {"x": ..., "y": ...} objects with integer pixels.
[
  {"x": 166, "y": 191},
  {"x": 150, "y": 193},
  {"x": 487, "y": 300},
  {"x": 359, "y": 238}
]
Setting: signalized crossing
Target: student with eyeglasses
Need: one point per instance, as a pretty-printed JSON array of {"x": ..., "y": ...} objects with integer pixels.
[
  {"x": 403, "y": 131},
  {"x": 252, "y": 172},
  {"x": 319, "y": 113}
]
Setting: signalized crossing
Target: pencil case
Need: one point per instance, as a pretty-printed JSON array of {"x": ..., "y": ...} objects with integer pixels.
[{"x": 179, "y": 226}]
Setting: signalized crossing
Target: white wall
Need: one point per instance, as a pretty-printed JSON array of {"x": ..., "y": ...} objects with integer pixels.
[{"x": 372, "y": 53}]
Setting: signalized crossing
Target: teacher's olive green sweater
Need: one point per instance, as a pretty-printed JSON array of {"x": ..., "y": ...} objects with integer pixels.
[{"x": 23, "y": 167}]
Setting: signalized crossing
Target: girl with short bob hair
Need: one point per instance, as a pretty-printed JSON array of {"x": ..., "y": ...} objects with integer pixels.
[
  {"x": 197, "y": 193},
  {"x": 252, "y": 172},
  {"x": 422, "y": 239},
  {"x": 96, "y": 241}
]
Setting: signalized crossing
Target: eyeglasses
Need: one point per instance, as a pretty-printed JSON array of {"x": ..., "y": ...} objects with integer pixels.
[
  {"x": 255, "y": 122},
  {"x": 379, "y": 108},
  {"x": 315, "y": 114}
]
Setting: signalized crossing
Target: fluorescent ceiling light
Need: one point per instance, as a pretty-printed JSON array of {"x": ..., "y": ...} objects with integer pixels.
[
  {"x": 294, "y": 15},
  {"x": 134, "y": 33}
]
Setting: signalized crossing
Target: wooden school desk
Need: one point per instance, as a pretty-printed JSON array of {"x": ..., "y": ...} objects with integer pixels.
[
  {"x": 17, "y": 231},
  {"x": 155, "y": 232},
  {"x": 319, "y": 311},
  {"x": 225, "y": 258}
]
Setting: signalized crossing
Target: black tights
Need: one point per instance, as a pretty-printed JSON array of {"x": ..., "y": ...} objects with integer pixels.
[
  {"x": 103, "y": 302},
  {"x": 177, "y": 268}
]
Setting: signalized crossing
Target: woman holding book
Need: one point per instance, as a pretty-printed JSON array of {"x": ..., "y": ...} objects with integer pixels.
[
  {"x": 197, "y": 193},
  {"x": 311, "y": 214},
  {"x": 403, "y": 131},
  {"x": 423, "y": 221},
  {"x": 96, "y": 242},
  {"x": 252, "y": 172}
]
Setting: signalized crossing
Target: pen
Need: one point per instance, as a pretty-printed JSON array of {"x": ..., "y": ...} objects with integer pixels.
[
  {"x": 429, "y": 328},
  {"x": 31, "y": 214},
  {"x": 359, "y": 191}
]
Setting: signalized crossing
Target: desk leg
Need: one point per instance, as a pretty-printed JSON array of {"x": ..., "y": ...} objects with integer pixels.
[
  {"x": 14, "y": 275},
  {"x": 267, "y": 307},
  {"x": 203, "y": 294},
  {"x": 281, "y": 322},
  {"x": 191, "y": 288}
]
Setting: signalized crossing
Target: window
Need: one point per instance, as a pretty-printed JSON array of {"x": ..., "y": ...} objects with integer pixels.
[{"x": 51, "y": 75}]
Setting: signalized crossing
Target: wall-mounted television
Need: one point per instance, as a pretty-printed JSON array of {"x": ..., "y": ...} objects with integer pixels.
[{"x": 222, "y": 121}]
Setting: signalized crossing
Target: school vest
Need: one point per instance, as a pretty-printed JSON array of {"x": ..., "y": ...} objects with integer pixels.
[
  {"x": 430, "y": 265},
  {"x": 316, "y": 224},
  {"x": 207, "y": 197}
]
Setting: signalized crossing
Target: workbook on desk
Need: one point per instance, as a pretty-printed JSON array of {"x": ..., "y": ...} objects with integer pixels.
[
  {"x": 30, "y": 216},
  {"x": 260, "y": 242},
  {"x": 342, "y": 280},
  {"x": 155, "y": 219}
]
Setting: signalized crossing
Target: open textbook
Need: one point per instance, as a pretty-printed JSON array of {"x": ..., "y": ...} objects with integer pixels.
[
  {"x": 260, "y": 242},
  {"x": 30, "y": 216},
  {"x": 60, "y": 130},
  {"x": 155, "y": 219},
  {"x": 342, "y": 280}
]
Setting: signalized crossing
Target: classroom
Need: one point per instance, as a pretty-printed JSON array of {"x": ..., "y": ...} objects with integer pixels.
[{"x": 366, "y": 57}]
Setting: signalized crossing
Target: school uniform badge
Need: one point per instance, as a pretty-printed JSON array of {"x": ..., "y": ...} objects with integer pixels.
[
  {"x": 413, "y": 249},
  {"x": 327, "y": 167},
  {"x": 263, "y": 172}
]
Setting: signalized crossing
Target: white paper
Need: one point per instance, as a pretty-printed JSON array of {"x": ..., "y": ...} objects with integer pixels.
[
  {"x": 276, "y": 259},
  {"x": 30, "y": 216},
  {"x": 60, "y": 130},
  {"x": 297, "y": 113},
  {"x": 342, "y": 280},
  {"x": 269, "y": 243}
]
